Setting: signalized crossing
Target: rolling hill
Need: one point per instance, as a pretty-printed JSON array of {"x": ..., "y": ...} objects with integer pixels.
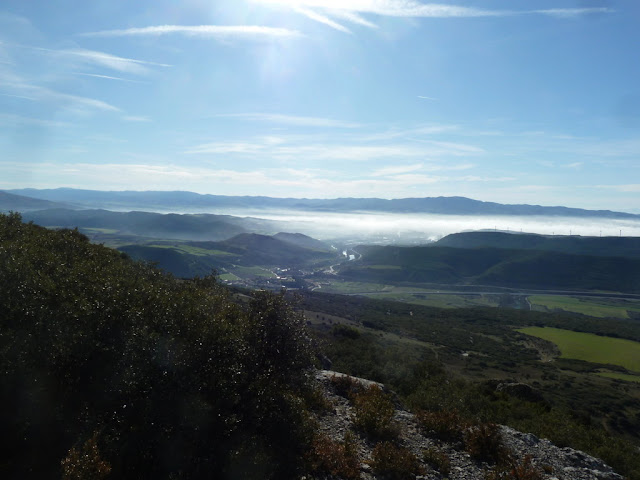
[
  {"x": 597, "y": 246},
  {"x": 188, "y": 259},
  {"x": 503, "y": 267},
  {"x": 20, "y": 203},
  {"x": 154, "y": 225}
]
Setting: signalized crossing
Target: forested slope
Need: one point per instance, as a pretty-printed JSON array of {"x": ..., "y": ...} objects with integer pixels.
[
  {"x": 111, "y": 367},
  {"x": 518, "y": 268}
]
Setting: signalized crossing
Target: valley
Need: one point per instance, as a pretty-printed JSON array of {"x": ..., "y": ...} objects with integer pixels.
[{"x": 443, "y": 323}]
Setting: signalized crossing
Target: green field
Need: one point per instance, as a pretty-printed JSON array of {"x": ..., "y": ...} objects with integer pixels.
[
  {"x": 201, "y": 252},
  {"x": 590, "y": 347},
  {"x": 346, "y": 288},
  {"x": 228, "y": 277},
  {"x": 244, "y": 272},
  {"x": 90, "y": 230},
  {"x": 593, "y": 307}
]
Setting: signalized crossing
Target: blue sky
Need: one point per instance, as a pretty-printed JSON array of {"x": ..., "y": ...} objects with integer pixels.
[{"x": 511, "y": 101}]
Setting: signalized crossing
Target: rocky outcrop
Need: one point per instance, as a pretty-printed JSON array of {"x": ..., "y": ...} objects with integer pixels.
[{"x": 549, "y": 461}]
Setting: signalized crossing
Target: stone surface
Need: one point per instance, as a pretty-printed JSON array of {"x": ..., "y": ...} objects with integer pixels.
[{"x": 552, "y": 461}]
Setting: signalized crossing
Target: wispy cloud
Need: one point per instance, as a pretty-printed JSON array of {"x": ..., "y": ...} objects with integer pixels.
[
  {"x": 301, "y": 121},
  {"x": 74, "y": 102},
  {"x": 353, "y": 18},
  {"x": 426, "y": 98},
  {"x": 572, "y": 12},
  {"x": 574, "y": 165},
  {"x": 114, "y": 62},
  {"x": 396, "y": 170},
  {"x": 291, "y": 150},
  {"x": 107, "y": 60},
  {"x": 22, "y": 97},
  {"x": 11, "y": 120},
  {"x": 627, "y": 188},
  {"x": 411, "y": 133},
  {"x": 393, "y": 8},
  {"x": 107, "y": 77},
  {"x": 351, "y": 10},
  {"x": 215, "y": 31},
  {"x": 133, "y": 118},
  {"x": 290, "y": 182},
  {"x": 322, "y": 19}
]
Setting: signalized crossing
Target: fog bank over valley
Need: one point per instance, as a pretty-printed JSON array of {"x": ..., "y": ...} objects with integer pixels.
[{"x": 387, "y": 228}]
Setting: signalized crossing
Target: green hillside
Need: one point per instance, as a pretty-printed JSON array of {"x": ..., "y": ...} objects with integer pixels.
[
  {"x": 494, "y": 266},
  {"x": 189, "y": 259},
  {"x": 576, "y": 245},
  {"x": 153, "y": 225}
]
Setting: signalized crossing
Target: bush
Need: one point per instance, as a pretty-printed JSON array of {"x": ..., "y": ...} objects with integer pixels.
[
  {"x": 85, "y": 463},
  {"x": 524, "y": 470},
  {"x": 341, "y": 330},
  {"x": 446, "y": 425},
  {"x": 338, "y": 459},
  {"x": 177, "y": 378},
  {"x": 484, "y": 442},
  {"x": 438, "y": 459},
  {"x": 374, "y": 413},
  {"x": 394, "y": 463},
  {"x": 346, "y": 386}
]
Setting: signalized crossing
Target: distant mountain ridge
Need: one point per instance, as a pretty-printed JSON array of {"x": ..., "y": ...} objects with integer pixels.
[
  {"x": 189, "y": 200},
  {"x": 12, "y": 202}
]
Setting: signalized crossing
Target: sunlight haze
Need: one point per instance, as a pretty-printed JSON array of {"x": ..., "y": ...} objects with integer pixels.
[{"x": 496, "y": 100}]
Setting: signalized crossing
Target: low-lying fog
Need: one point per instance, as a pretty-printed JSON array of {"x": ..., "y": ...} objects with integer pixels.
[{"x": 421, "y": 228}]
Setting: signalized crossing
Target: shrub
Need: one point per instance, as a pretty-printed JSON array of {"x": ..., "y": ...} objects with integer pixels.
[
  {"x": 484, "y": 442},
  {"x": 84, "y": 463},
  {"x": 341, "y": 330},
  {"x": 317, "y": 401},
  {"x": 346, "y": 386},
  {"x": 524, "y": 470},
  {"x": 176, "y": 376},
  {"x": 338, "y": 459},
  {"x": 438, "y": 459},
  {"x": 446, "y": 425},
  {"x": 374, "y": 413},
  {"x": 394, "y": 463}
]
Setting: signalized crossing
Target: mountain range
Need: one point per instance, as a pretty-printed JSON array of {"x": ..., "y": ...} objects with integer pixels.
[{"x": 189, "y": 201}]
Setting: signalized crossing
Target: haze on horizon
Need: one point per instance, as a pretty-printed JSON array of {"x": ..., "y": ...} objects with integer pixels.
[{"x": 487, "y": 99}]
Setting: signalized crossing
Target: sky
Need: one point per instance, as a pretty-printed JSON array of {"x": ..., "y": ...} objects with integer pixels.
[{"x": 511, "y": 101}]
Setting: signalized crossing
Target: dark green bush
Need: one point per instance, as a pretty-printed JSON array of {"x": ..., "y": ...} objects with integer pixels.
[
  {"x": 341, "y": 330},
  {"x": 444, "y": 424},
  {"x": 85, "y": 462},
  {"x": 438, "y": 460},
  {"x": 391, "y": 462},
  {"x": 484, "y": 442},
  {"x": 515, "y": 470},
  {"x": 374, "y": 413},
  {"x": 177, "y": 378},
  {"x": 339, "y": 459},
  {"x": 346, "y": 386}
]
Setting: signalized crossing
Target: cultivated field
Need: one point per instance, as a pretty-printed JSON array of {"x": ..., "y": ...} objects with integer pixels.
[
  {"x": 602, "y": 308},
  {"x": 590, "y": 347}
]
